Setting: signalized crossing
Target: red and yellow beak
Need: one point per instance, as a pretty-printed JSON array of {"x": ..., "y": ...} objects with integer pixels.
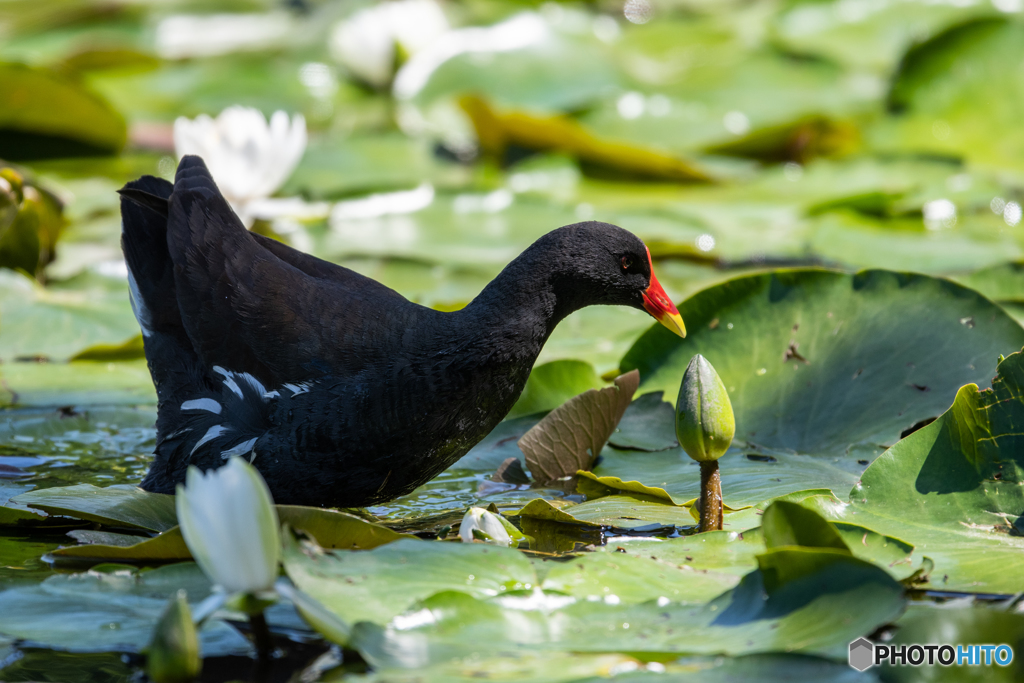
[{"x": 657, "y": 303}]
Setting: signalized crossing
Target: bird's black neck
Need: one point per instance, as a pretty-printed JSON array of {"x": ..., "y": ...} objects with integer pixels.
[{"x": 525, "y": 302}]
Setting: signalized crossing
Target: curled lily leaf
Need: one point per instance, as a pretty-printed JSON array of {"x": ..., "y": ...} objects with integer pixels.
[
  {"x": 705, "y": 424},
  {"x": 173, "y": 654},
  {"x": 230, "y": 526}
]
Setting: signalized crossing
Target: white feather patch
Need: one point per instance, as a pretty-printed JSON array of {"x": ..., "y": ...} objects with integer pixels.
[
  {"x": 229, "y": 380},
  {"x": 207, "y": 404},
  {"x": 142, "y": 313},
  {"x": 211, "y": 434},
  {"x": 297, "y": 389},
  {"x": 240, "y": 449}
]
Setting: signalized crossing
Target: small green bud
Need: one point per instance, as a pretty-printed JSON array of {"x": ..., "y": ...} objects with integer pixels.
[
  {"x": 173, "y": 654},
  {"x": 705, "y": 424}
]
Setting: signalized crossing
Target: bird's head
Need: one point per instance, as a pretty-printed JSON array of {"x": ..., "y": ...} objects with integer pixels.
[{"x": 604, "y": 264}]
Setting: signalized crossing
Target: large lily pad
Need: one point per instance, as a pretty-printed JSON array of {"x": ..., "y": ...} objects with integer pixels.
[
  {"x": 953, "y": 488},
  {"x": 34, "y": 384},
  {"x": 819, "y": 364},
  {"x": 378, "y": 584},
  {"x": 56, "y": 324},
  {"x": 939, "y": 85},
  {"x": 118, "y": 506},
  {"x": 870, "y": 36},
  {"x": 779, "y": 607},
  {"x": 45, "y": 111},
  {"x": 112, "y": 610}
]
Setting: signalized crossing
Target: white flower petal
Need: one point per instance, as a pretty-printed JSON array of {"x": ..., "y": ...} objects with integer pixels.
[
  {"x": 249, "y": 158},
  {"x": 477, "y": 518},
  {"x": 229, "y": 523}
]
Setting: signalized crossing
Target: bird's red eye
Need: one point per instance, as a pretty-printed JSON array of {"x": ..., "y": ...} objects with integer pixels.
[{"x": 627, "y": 262}]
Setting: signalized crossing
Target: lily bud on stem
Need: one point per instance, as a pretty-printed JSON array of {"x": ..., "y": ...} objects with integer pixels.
[{"x": 705, "y": 426}]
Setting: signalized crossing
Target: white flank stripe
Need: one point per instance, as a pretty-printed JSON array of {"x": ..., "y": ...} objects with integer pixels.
[
  {"x": 240, "y": 449},
  {"x": 297, "y": 389},
  {"x": 211, "y": 433},
  {"x": 207, "y": 404},
  {"x": 254, "y": 383},
  {"x": 229, "y": 382},
  {"x": 138, "y": 306}
]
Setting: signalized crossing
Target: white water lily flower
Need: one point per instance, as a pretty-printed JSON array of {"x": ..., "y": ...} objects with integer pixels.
[
  {"x": 367, "y": 42},
  {"x": 188, "y": 35},
  {"x": 249, "y": 158},
  {"x": 488, "y": 527},
  {"x": 230, "y": 525}
]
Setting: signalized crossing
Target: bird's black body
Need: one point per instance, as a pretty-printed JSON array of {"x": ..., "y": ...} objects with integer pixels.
[{"x": 339, "y": 390}]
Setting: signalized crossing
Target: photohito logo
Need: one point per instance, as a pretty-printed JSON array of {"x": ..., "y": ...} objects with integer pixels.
[{"x": 864, "y": 654}]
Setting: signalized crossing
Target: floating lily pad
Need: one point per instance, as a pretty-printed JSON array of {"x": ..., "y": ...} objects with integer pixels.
[
  {"x": 57, "y": 324},
  {"x": 116, "y": 506},
  {"x": 743, "y": 620},
  {"x": 937, "y": 89},
  {"x": 49, "y": 115},
  {"x": 647, "y": 425},
  {"x": 628, "y": 578},
  {"x": 823, "y": 369},
  {"x": 958, "y": 623},
  {"x": 55, "y": 384},
  {"x": 103, "y": 611},
  {"x": 735, "y": 553},
  {"x": 378, "y": 584},
  {"x": 953, "y": 488},
  {"x": 872, "y": 37},
  {"x": 747, "y": 478},
  {"x": 552, "y": 384}
]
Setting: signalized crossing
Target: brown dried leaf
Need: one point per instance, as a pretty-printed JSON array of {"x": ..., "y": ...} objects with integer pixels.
[
  {"x": 572, "y": 435},
  {"x": 511, "y": 471}
]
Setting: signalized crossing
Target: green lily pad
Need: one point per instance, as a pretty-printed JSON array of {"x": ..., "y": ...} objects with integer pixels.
[
  {"x": 956, "y": 623},
  {"x": 747, "y": 478},
  {"x": 526, "y": 667},
  {"x": 938, "y": 86},
  {"x": 121, "y": 506},
  {"x": 647, "y": 425},
  {"x": 808, "y": 359},
  {"x": 49, "y": 112},
  {"x": 629, "y": 578},
  {"x": 57, "y": 324},
  {"x": 378, "y": 584},
  {"x": 953, "y": 488},
  {"x": 869, "y": 37},
  {"x": 168, "y": 546},
  {"x": 735, "y": 553},
  {"x": 632, "y": 511},
  {"x": 552, "y": 384},
  {"x": 1003, "y": 282},
  {"x": 747, "y": 619},
  {"x": 116, "y": 506},
  {"x": 109, "y": 611},
  {"x": 83, "y": 384}
]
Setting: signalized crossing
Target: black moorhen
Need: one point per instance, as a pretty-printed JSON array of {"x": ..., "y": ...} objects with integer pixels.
[{"x": 339, "y": 390}]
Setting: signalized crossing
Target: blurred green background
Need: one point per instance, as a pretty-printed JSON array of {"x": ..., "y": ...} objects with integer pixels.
[{"x": 728, "y": 135}]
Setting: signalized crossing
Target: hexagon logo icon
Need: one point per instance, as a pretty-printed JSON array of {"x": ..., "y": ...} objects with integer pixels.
[{"x": 862, "y": 654}]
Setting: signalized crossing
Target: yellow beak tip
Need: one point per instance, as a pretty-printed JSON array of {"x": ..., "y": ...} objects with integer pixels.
[{"x": 674, "y": 322}]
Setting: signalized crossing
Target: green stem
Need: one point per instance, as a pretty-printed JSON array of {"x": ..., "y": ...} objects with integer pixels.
[{"x": 710, "y": 496}]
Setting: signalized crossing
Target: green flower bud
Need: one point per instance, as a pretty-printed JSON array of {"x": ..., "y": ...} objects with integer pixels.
[
  {"x": 705, "y": 424},
  {"x": 173, "y": 654}
]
